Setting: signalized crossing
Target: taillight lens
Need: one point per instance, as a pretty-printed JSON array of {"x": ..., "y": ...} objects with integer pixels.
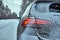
[
  {"x": 34, "y": 21},
  {"x": 42, "y": 22},
  {"x": 28, "y": 20}
]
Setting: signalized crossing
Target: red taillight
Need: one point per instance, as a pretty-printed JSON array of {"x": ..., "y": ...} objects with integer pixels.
[
  {"x": 34, "y": 21},
  {"x": 43, "y": 22},
  {"x": 28, "y": 20},
  {"x": 25, "y": 22}
]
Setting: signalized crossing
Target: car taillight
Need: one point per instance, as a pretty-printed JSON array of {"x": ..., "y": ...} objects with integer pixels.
[
  {"x": 28, "y": 20},
  {"x": 34, "y": 21},
  {"x": 43, "y": 22}
]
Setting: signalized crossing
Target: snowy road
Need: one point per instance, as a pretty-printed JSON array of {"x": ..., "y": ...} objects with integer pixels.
[{"x": 8, "y": 29}]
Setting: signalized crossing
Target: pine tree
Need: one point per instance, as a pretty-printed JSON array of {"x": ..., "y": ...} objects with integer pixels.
[
  {"x": 0, "y": 2},
  {"x": 24, "y": 5}
]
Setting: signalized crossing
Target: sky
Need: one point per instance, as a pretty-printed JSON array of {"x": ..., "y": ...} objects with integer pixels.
[{"x": 14, "y": 5}]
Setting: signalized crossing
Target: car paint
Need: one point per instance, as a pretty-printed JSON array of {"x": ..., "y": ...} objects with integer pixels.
[{"x": 47, "y": 15}]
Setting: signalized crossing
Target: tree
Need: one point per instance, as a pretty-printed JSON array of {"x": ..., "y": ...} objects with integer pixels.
[
  {"x": 8, "y": 11},
  {"x": 14, "y": 15},
  {"x": 2, "y": 14},
  {"x": 24, "y": 5},
  {"x": 0, "y": 2}
]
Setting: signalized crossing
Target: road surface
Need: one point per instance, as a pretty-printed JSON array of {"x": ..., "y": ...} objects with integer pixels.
[{"x": 8, "y": 29}]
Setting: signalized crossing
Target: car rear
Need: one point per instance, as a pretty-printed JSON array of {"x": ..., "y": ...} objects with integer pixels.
[{"x": 44, "y": 20}]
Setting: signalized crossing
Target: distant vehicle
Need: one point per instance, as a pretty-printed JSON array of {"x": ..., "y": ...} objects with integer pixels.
[{"x": 44, "y": 18}]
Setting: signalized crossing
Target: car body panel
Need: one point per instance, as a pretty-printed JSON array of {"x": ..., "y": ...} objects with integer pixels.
[{"x": 44, "y": 14}]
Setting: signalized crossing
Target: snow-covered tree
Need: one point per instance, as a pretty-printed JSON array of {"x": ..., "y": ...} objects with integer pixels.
[{"x": 24, "y": 5}]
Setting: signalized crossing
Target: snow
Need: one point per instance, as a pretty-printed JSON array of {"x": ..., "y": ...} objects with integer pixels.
[
  {"x": 14, "y": 5},
  {"x": 8, "y": 29}
]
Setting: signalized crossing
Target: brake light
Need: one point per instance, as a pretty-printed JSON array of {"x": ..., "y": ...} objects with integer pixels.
[
  {"x": 34, "y": 21},
  {"x": 43, "y": 22},
  {"x": 28, "y": 20}
]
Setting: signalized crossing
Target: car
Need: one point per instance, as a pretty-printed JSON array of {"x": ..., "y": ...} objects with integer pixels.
[{"x": 41, "y": 21}]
